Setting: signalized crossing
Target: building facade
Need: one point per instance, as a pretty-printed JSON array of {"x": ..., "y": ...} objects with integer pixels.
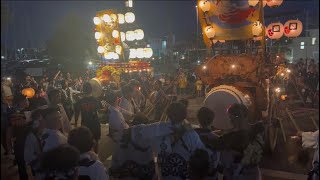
[{"x": 305, "y": 47}]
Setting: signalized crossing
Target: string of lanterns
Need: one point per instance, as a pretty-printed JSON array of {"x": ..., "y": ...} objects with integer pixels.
[
  {"x": 140, "y": 53},
  {"x": 290, "y": 29}
]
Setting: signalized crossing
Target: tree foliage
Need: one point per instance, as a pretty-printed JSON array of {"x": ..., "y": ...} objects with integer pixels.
[{"x": 72, "y": 44}]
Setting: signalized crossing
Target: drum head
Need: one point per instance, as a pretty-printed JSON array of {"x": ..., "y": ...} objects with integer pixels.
[
  {"x": 96, "y": 87},
  {"x": 218, "y": 100}
]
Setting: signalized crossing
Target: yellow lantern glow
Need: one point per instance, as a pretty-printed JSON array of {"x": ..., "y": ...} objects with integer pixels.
[
  {"x": 113, "y": 17},
  {"x": 256, "y": 28},
  {"x": 129, "y": 17},
  {"x": 115, "y": 55},
  {"x": 264, "y": 3},
  {"x": 96, "y": 20},
  {"x": 253, "y": 2},
  {"x": 115, "y": 34},
  {"x": 28, "y": 92},
  {"x": 108, "y": 55},
  {"x": 118, "y": 49},
  {"x": 214, "y": 41},
  {"x": 106, "y": 18},
  {"x": 275, "y": 30},
  {"x": 139, "y": 34},
  {"x": 130, "y": 36},
  {"x": 210, "y": 32},
  {"x": 204, "y": 5},
  {"x": 100, "y": 49},
  {"x": 140, "y": 53},
  {"x": 274, "y": 3},
  {"x": 222, "y": 41},
  {"x": 123, "y": 36},
  {"x": 292, "y": 28},
  {"x": 97, "y": 35},
  {"x": 121, "y": 18},
  {"x": 147, "y": 52},
  {"x": 133, "y": 53}
]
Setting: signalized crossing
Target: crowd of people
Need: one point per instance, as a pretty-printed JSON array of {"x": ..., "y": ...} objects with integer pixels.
[{"x": 39, "y": 133}]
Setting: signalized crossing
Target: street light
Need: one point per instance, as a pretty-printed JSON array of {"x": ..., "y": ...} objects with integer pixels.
[{"x": 90, "y": 63}]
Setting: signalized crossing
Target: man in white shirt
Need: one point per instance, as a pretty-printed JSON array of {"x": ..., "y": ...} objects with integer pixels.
[
  {"x": 117, "y": 122},
  {"x": 52, "y": 136},
  {"x": 55, "y": 101},
  {"x": 311, "y": 140},
  {"x": 32, "y": 147},
  {"x": 89, "y": 168},
  {"x": 127, "y": 105}
]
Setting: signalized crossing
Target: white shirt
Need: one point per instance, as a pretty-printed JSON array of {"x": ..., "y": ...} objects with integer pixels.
[
  {"x": 127, "y": 109},
  {"x": 95, "y": 171},
  {"x": 51, "y": 139},
  {"x": 116, "y": 123},
  {"x": 311, "y": 140},
  {"x": 66, "y": 126},
  {"x": 32, "y": 149},
  {"x": 6, "y": 90}
]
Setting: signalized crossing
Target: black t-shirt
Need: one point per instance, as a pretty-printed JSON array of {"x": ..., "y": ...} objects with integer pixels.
[
  {"x": 37, "y": 102},
  {"x": 88, "y": 107}
]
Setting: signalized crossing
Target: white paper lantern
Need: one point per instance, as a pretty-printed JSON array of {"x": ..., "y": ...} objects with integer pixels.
[
  {"x": 204, "y": 5},
  {"x": 292, "y": 28},
  {"x": 264, "y": 3},
  {"x": 121, "y": 18},
  {"x": 139, "y": 34},
  {"x": 108, "y": 55},
  {"x": 113, "y": 17},
  {"x": 147, "y": 52},
  {"x": 123, "y": 36},
  {"x": 100, "y": 49},
  {"x": 275, "y": 30},
  {"x": 132, "y": 53},
  {"x": 214, "y": 41},
  {"x": 96, "y": 20},
  {"x": 222, "y": 41},
  {"x": 129, "y": 17},
  {"x": 253, "y": 2},
  {"x": 106, "y": 18},
  {"x": 118, "y": 49},
  {"x": 257, "y": 28},
  {"x": 140, "y": 53},
  {"x": 115, "y": 55},
  {"x": 210, "y": 32},
  {"x": 274, "y": 3},
  {"x": 97, "y": 35},
  {"x": 130, "y": 36},
  {"x": 115, "y": 34}
]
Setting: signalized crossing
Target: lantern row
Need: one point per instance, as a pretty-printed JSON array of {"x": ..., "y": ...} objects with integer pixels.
[
  {"x": 129, "y": 17},
  {"x": 140, "y": 53},
  {"x": 290, "y": 29},
  {"x": 205, "y": 5}
]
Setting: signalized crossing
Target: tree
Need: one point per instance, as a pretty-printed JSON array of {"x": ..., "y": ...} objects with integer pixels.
[{"x": 72, "y": 44}]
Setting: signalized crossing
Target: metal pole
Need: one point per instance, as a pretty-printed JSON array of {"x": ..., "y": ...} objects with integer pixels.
[
  {"x": 197, "y": 33},
  {"x": 263, "y": 40}
]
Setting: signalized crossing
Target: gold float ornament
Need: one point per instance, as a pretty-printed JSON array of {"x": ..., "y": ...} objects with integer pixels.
[{"x": 28, "y": 92}]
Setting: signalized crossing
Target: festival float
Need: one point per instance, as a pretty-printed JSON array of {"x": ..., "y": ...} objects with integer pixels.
[
  {"x": 249, "y": 78},
  {"x": 113, "y": 45}
]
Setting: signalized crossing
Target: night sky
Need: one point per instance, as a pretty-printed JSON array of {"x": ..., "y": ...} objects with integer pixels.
[{"x": 35, "y": 21}]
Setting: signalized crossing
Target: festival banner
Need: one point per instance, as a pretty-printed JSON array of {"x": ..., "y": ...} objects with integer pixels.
[{"x": 231, "y": 19}]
